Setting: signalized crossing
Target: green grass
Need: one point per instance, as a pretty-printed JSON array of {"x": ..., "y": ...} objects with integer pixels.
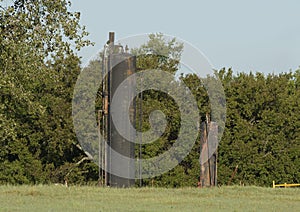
[{"x": 59, "y": 198}]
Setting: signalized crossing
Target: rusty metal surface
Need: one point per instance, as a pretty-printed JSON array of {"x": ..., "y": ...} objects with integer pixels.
[{"x": 208, "y": 168}]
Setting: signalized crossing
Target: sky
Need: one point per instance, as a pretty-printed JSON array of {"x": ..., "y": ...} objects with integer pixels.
[{"x": 257, "y": 35}]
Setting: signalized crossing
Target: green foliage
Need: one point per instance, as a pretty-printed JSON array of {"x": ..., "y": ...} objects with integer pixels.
[
  {"x": 39, "y": 67},
  {"x": 261, "y": 134},
  {"x": 159, "y": 54},
  {"x": 38, "y": 71}
]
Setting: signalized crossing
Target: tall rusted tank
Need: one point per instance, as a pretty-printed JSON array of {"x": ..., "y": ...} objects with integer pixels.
[
  {"x": 118, "y": 66},
  {"x": 122, "y": 65}
]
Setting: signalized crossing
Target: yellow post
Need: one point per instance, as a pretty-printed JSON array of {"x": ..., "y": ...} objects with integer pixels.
[
  {"x": 285, "y": 185},
  {"x": 273, "y": 184}
]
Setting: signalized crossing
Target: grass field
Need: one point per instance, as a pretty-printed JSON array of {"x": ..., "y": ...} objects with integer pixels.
[{"x": 59, "y": 198}]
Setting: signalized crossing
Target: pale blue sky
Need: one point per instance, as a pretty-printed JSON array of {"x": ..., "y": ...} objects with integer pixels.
[{"x": 245, "y": 35}]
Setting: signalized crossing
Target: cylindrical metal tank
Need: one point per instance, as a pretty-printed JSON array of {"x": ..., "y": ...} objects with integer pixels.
[{"x": 121, "y": 65}]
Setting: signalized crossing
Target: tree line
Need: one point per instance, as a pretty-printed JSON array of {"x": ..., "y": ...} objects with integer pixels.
[{"x": 39, "y": 68}]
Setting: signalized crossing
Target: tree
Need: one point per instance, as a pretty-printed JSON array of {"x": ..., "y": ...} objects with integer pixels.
[
  {"x": 260, "y": 134},
  {"x": 39, "y": 68}
]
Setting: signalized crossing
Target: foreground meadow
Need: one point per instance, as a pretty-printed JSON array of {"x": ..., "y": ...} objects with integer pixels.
[{"x": 87, "y": 198}]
